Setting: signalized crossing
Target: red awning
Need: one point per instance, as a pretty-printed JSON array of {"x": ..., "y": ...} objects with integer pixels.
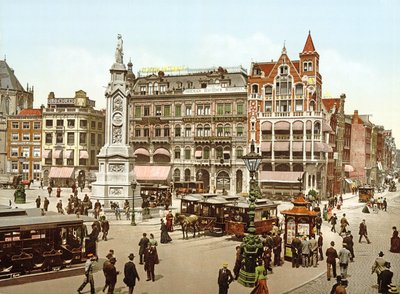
[
  {"x": 266, "y": 126},
  {"x": 46, "y": 153},
  {"x": 152, "y": 173},
  {"x": 61, "y": 172},
  {"x": 57, "y": 154},
  {"x": 142, "y": 151},
  {"x": 83, "y": 154},
  {"x": 198, "y": 153},
  {"x": 69, "y": 154},
  {"x": 281, "y": 146},
  {"x": 297, "y": 146},
  {"x": 265, "y": 146},
  {"x": 298, "y": 126},
  {"x": 162, "y": 151},
  {"x": 280, "y": 177}
]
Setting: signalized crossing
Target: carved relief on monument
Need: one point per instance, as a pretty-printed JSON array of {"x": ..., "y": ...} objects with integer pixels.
[
  {"x": 115, "y": 191},
  {"x": 117, "y": 119},
  {"x": 116, "y": 168},
  {"x": 116, "y": 134},
  {"x": 117, "y": 104}
]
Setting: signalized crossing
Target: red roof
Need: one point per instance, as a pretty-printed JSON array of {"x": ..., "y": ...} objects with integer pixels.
[
  {"x": 296, "y": 64},
  {"x": 266, "y": 67},
  {"x": 329, "y": 102},
  {"x": 31, "y": 111},
  {"x": 309, "y": 46}
]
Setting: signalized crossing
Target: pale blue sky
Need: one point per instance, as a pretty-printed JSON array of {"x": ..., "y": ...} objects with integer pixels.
[{"x": 64, "y": 46}]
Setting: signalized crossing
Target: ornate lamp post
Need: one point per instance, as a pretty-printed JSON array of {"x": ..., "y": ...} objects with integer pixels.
[
  {"x": 252, "y": 245},
  {"x": 133, "y": 186}
]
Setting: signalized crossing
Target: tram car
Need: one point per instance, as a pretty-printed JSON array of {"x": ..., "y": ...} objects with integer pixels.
[
  {"x": 365, "y": 193},
  {"x": 30, "y": 241},
  {"x": 229, "y": 214}
]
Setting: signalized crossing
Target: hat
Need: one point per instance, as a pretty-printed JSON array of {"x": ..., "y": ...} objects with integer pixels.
[
  {"x": 131, "y": 256},
  {"x": 381, "y": 254},
  {"x": 393, "y": 289},
  {"x": 113, "y": 259},
  {"x": 344, "y": 282},
  {"x": 225, "y": 264},
  {"x": 90, "y": 255}
]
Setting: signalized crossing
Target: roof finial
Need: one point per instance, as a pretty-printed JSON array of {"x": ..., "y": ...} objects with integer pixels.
[
  {"x": 284, "y": 47},
  {"x": 5, "y": 57},
  {"x": 309, "y": 32}
]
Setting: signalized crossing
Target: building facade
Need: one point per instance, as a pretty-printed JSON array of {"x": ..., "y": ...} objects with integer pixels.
[
  {"x": 24, "y": 141},
  {"x": 287, "y": 121},
  {"x": 190, "y": 126},
  {"x": 73, "y": 133}
]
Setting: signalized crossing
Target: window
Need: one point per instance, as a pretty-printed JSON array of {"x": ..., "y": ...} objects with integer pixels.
[
  {"x": 100, "y": 125},
  {"x": 146, "y": 111},
  {"x": 146, "y": 132},
  {"x": 25, "y": 152},
  {"x": 227, "y": 130},
  {"x": 239, "y": 130},
  {"x": 203, "y": 85},
  {"x": 70, "y": 138},
  {"x": 219, "y": 152},
  {"x": 177, "y": 131},
  {"x": 167, "y": 110},
  {"x": 268, "y": 90},
  {"x": 162, "y": 89},
  {"x": 14, "y": 166},
  {"x": 189, "y": 85},
  {"x": 283, "y": 85},
  {"x": 284, "y": 70},
  {"x": 82, "y": 138},
  {"x": 206, "y": 153},
  {"x": 36, "y": 167},
  {"x": 138, "y": 111},
  {"x": 220, "y": 109},
  {"x": 158, "y": 131},
  {"x": 207, "y": 131},
  {"x": 178, "y": 110},
  {"x": 14, "y": 137},
  {"x": 228, "y": 108},
  {"x": 299, "y": 105},
  {"x": 155, "y": 88},
  {"x": 83, "y": 123},
  {"x": 200, "y": 109},
  {"x": 268, "y": 106},
  {"x": 299, "y": 89},
  {"x": 71, "y": 123},
  {"x": 49, "y": 123},
  {"x": 59, "y": 138},
  {"x": 59, "y": 161},
  {"x": 307, "y": 66},
  {"x": 138, "y": 132},
  {"x": 239, "y": 152},
  {"x": 92, "y": 139},
  {"x": 254, "y": 89},
  {"x": 25, "y": 125},
  {"x": 177, "y": 153},
  {"x": 36, "y": 152},
  {"x": 158, "y": 110},
  {"x": 92, "y": 125},
  {"x": 220, "y": 130},
  {"x": 150, "y": 89},
  {"x": 100, "y": 140},
  {"x": 60, "y": 123},
  {"x": 166, "y": 131},
  {"x": 92, "y": 157},
  {"x": 142, "y": 90},
  {"x": 207, "y": 109},
  {"x": 188, "y": 131},
  {"x": 188, "y": 109},
  {"x": 36, "y": 125},
  {"x": 187, "y": 153},
  {"x": 49, "y": 138},
  {"x": 14, "y": 152},
  {"x": 199, "y": 131},
  {"x": 26, "y": 137},
  {"x": 15, "y": 125},
  {"x": 239, "y": 108},
  {"x": 48, "y": 161}
]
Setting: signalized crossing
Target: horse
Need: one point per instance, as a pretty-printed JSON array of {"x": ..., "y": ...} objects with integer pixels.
[{"x": 187, "y": 222}]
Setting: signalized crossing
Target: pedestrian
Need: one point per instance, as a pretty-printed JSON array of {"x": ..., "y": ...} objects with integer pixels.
[
  {"x": 165, "y": 237},
  {"x": 224, "y": 279},
  {"x": 333, "y": 221},
  {"x": 127, "y": 209},
  {"x": 59, "y": 207},
  {"x": 150, "y": 260},
  {"x": 384, "y": 204},
  {"x": 313, "y": 251},
  {"x": 261, "y": 279},
  {"x": 386, "y": 279},
  {"x": 325, "y": 212},
  {"x": 105, "y": 227},
  {"x": 238, "y": 262},
  {"x": 378, "y": 267},
  {"x": 130, "y": 274},
  {"x": 170, "y": 218},
  {"x": 341, "y": 289},
  {"x": 305, "y": 251},
  {"x": 58, "y": 192},
  {"x": 338, "y": 280},
  {"x": 349, "y": 244},
  {"x": 320, "y": 244},
  {"x": 38, "y": 201},
  {"x": 49, "y": 190},
  {"x": 277, "y": 248},
  {"x": 363, "y": 231},
  {"x": 331, "y": 255},
  {"x": 89, "y": 273},
  {"x": 105, "y": 266},
  {"x": 46, "y": 203},
  {"x": 296, "y": 251},
  {"x": 152, "y": 241},
  {"x": 318, "y": 223},
  {"x": 344, "y": 259},
  {"x": 266, "y": 256},
  {"x": 142, "y": 247},
  {"x": 97, "y": 209},
  {"x": 395, "y": 241},
  {"x": 343, "y": 224},
  {"x": 110, "y": 273}
]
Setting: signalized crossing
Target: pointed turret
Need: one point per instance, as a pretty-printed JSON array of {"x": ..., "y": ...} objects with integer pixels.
[{"x": 309, "y": 46}]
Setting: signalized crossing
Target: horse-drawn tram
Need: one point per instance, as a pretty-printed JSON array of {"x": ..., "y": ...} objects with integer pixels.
[
  {"x": 228, "y": 214},
  {"x": 42, "y": 242}
]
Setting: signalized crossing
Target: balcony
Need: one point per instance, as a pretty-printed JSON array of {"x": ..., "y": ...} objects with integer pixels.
[
  {"x": 202, "y": 162},
  {"x": 255, "y": 96}
]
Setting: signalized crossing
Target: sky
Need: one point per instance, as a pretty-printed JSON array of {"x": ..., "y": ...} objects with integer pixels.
[{"x": 64, "y": 46}]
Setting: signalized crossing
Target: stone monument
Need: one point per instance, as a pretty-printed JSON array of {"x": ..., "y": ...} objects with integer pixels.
[{"x": 116, "y": 158}]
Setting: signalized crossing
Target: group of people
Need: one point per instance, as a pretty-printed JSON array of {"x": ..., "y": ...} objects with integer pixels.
[
  {"x": 381, "y": 267},
  {"x": 306, "y": 251}
]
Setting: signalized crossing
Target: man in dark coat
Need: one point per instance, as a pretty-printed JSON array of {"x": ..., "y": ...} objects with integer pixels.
[
  {"x": 150, "y": 260},
  {"x": 296, "y": 251},
  {"x": 277, "y": 243},
  {"x": 224, "y": 279},
  {"x": 331, "y": 255},
  {"x": 142, "y": 246},
  {"x": 111, "y": 273},
  {"x": 105, "y": 227},
  {"x": 46, "y": 204},
  {"x": 363, "y": 231},
  {"x": 320, "y": 244},
  {"x": 385, "y": 279},
  {"x": 38, "y": 201},
  {"x": 130, "y": 273},
  {"x": 349, "y": 244}
]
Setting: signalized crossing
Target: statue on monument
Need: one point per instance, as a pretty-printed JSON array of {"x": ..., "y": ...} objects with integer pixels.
[{"x": 119, "y": 50}]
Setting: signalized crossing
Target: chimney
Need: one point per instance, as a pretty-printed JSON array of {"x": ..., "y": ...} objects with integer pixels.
[
  {"x": 355, "y": 117},
  {"x": 51, "y": 95}
]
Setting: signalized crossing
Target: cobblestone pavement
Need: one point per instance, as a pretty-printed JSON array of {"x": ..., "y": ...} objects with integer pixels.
[{"x": 379, "y": 231}]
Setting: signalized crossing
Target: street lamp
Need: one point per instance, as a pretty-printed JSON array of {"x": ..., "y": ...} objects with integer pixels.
[
  {"x": 133, "y": 186},
  {"x": 252, "y": 245}
]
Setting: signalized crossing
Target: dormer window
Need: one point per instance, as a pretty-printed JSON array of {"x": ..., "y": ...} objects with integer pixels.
[
  {"x": 254, "y": 89},
  {"x": 284, "y": 70},
  {"x": 256, "y": 71},
  {"x": 307, "y": 66}
]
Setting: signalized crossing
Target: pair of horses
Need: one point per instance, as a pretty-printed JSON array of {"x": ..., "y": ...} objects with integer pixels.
[{"x": 187, "y": 223}]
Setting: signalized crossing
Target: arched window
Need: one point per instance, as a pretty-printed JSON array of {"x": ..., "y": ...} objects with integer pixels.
[
  {"x": 178, "y": 131},
  {"x": 155, "y": 88},
  {"x": 254, "y": 89},
  {"x": 268, "y": 90},
  {"x": 187, "y": 153},
  {"x": 157, "y": 131},
  {"x": 317, "y": 128},
  {"x": 177, "y": 175},
  {"x": 220, "y": 130},
  {"x": 188, "y": 131},
  {"x": 218, "y": 152},
  {"x": 207, "y": 130},
  {"x": 206, "y": 152},
  {"x": 187, "y": 174},
  {"x": 299, "y": 89},
  {"x": 239, "y": 152},
  {"x": 239, "y": 130},
  {"x": 312, "y": 105},
  {"x": 177, "y": 153},
  {"x": 199, "y": 130},
  {"x": 227, "y": 130}
]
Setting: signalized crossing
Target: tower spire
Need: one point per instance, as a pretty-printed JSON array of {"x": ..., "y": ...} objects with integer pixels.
[{"x": 309, "y": 46}]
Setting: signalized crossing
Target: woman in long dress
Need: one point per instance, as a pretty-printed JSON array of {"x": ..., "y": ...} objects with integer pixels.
[
  {"x": 261, "y": 279},
  {"x": 165, "y": 238},
  {"x": 395, "y": 241}
]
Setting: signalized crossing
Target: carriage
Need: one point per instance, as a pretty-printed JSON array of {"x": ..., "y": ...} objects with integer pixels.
[
  {"x": 365, "y": 193},
  {"x": 187, "y": 187},
  {"x": 228, "y": 214},
  {"x": 30, "y": 241}
]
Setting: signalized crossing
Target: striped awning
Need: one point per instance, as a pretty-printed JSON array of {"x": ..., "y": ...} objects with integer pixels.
[
  {"x": 281, "y": 146},
  {"x": 282, "y": 126},
  {"x": 57, "y": 154},
  {"x": 162, "y": 151},
  {"x": 83, "y": 154},
  {"x": 61, "y": 172},
  {"x": 142, "y": 151},
  {"x": 265, "y": 146},
  {"x": 152, "y": 173},
  {"x": 266, "y": 126},
  {"x": 280, "y": 177},
  {"x": 46, "y": 153},
  {"x": 198, "y": 153},
  {"x": 69, "y": 154},
  {"x": 298, "y": 126},
  {"x": 297, "y": 146}
]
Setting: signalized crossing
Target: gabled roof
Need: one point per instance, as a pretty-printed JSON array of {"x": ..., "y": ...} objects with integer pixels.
[
  {"x": 329, "y": 102},
  {"x": 309, "y": 46},
  {"x": 8, "y": 80},
  {"x": 31, "y": 111},
  {"x": 266, "y": 67}
]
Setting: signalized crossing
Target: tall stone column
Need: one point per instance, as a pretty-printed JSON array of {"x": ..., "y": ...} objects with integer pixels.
[{"x": 116, "y": 158}]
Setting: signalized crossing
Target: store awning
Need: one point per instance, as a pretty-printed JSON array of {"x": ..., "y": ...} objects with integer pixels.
[
  {"x": 46, "y": 153},
  {"x": 198, "y": 153},
  {"x": 162, "y": 151},
  {"x": 297, "y": 126},
  {"x": 57, "y": 154},
  {"x": 83, "y": 154},
  {"x": 152, "y": 173},
  {"x": 348, "y": 168},
  {"x": 308, "y": 125},
  {"x": 326, "y": 127},
  {"x": 141, "y": 151},
  {"x": 282, "y": 126},
  {"x": 280, "y": 177},
  {"x": 266, "y": 126},
  {"x": 61, "y": 172},
  {"x": 281, "y": 146},
  {"x": 349, "y": 181},
  {"x": 69, "y": 154},
  {"x": 318, "y": 147},
  {"x": 297, "y": 146},
  {"x": 265, "y": 146}
]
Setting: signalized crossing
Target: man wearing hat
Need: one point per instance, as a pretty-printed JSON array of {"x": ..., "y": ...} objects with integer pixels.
[
  {"x": 344, "y": 259},
  {"x": 110, "y": 273},
  {"x": 349, "y": 244},
  {"x": 88, "y": 273},
  {"x": 363, "y": 231},
  {"x": 386, "y": 278},
  {"x": 378, "y": 266},
  {"x": 341, "y": 289},
  {"x": 224, "y": 279},
  {"x": 130, "y": 273},
  {"x": 170, "y": 218}
]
